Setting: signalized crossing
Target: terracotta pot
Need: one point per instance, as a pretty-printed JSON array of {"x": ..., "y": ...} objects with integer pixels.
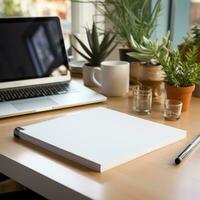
[
  {"x": 147, "y": 75},
  {"x": 182, "y": 93},
  {"x": 87, "y": 76}
]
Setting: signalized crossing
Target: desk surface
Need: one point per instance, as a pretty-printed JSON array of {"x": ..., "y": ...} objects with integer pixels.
[{"x": 152, "y": 176}]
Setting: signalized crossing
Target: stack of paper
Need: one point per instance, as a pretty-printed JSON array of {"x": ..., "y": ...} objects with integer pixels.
[{"x": 100, "y": 138}]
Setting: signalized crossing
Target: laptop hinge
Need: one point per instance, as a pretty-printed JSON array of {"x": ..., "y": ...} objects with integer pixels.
[{"x": 35, "y": 81}]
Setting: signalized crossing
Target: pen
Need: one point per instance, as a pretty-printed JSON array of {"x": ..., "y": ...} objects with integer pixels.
[{"x": 187, "y": 150}]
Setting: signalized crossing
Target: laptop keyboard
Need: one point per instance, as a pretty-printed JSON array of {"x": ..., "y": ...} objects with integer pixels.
[{"x": 34, "y": 91}]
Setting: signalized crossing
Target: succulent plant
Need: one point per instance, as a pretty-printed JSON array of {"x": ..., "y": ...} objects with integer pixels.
[
  {"x": 193, "y": 36},
  {"x": 180, "y": 72},
  {"x": 149, "y": 50},
  {"x": 126, "y": 17},
  {"x": 135, "y": 17},
  {"x": 196, "y": 34},
  {"x": 97, "y": 50},
  {"x": 191, "y": 40}
]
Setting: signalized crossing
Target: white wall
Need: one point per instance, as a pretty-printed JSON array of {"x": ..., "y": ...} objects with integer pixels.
[{"x": 82, "y": 16}]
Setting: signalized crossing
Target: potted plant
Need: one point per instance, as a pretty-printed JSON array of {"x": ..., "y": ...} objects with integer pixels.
[
  {"x": 148, "y": 70},
  {"x": 180, "y": 75},
  {"x": 127, "y": 17},
  {"x": 95, "y": 52},
  {"x": 192, "y": 40}
]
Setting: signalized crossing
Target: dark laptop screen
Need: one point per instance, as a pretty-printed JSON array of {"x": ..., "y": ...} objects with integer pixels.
[{"x": 30, "y": 47}]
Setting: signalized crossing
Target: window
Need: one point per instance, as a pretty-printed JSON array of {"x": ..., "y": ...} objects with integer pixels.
[
  {"x": 61, "y": 8},
  {"x": 179, "y": 20},
  {"x": 74, "y": 16}
]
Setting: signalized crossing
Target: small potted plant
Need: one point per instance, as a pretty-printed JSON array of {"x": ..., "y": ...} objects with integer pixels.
[
  {"x": 95, "y": 53},
  {"x": 148, "y": 70},
  {"x": 192, "y": 40},
  {"x": 180, "y": 75}
]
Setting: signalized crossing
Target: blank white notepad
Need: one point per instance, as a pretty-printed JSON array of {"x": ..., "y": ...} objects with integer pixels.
[{"x": 100, "y": 138}]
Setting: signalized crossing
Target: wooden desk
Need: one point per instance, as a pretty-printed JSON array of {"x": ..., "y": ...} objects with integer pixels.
[{"x": 152, "y": 176}]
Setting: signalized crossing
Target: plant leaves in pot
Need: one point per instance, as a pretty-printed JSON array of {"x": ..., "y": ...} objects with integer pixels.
[
  {"x": 148, "y": 71},
  {"x": 192, "y": 39},
  {"x": 127, "y": 17},
  {"x": 180, "y": 75},
  {"x": 95, "y": 52}
]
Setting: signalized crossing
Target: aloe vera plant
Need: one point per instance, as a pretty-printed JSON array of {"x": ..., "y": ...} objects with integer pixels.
[
  {"x": 134, "y": 17},
  {"x": 149, "y": 50},
  {"x": 97, "y": 50}
]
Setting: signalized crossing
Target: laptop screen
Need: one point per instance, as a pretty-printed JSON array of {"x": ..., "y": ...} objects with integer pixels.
[{"x": 30, "y": 47}]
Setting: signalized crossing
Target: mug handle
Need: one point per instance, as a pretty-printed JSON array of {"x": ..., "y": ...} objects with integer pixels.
[{"x": 94, "y": 71}]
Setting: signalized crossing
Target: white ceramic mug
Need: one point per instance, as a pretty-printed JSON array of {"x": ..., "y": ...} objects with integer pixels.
[{"x": 114, "y": 77}]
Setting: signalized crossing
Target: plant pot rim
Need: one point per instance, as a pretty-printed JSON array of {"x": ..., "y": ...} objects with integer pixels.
[
  {"x": 186, "y": 89},
  {"x": 150, "y": 65},
  {"x": 179, "y": 87}
]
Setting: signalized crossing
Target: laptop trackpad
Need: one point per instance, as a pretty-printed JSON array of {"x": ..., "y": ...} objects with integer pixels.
[{"x": 34, "y": 104}]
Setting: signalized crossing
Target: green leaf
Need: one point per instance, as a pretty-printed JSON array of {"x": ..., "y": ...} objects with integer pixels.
[
  {"x": 107, "y": 53},
  {"x": 106, "y": 43},
  {"x": 95, "y": 39},
  {"x": 89, "y": 38},
  {"x": 87, "y": 58},
  {"x": 85, "y": 48}
]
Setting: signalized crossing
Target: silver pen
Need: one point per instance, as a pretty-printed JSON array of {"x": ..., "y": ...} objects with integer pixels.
[{"x": 187, "y": 150}]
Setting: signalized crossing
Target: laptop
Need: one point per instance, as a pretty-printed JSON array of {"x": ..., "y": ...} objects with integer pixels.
[{"x": 30, "y": 50}]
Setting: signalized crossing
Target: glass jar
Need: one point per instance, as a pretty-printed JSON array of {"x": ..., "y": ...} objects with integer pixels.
[
  {"x": 172, "y": 109},
  {"x": 142, "y": 99}
]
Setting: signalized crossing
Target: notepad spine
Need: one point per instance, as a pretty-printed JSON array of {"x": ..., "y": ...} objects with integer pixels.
[{"x": 17, "y": 131}]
